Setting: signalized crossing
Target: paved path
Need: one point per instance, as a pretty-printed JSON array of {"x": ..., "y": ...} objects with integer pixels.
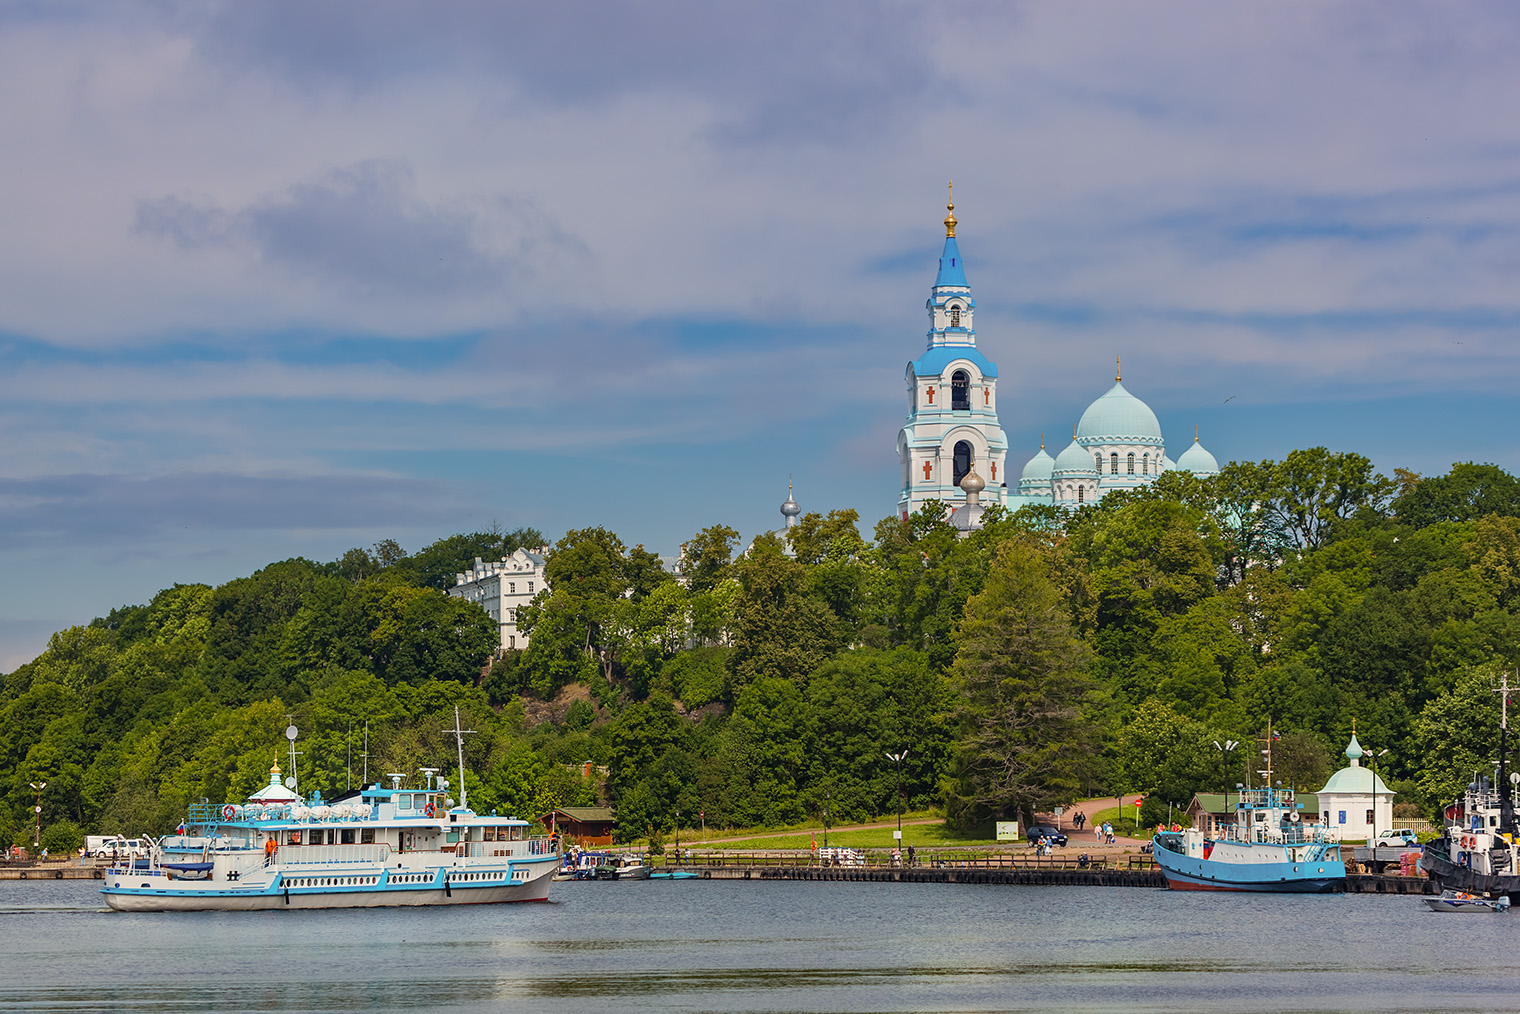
[{"x": 1089, "y": 808}]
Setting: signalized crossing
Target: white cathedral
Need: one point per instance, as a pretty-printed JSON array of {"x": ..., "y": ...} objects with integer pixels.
[{"x": 952, "y": 432}]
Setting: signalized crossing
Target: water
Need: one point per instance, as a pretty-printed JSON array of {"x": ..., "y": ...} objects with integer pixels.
[{"x": 773, "y": 946}]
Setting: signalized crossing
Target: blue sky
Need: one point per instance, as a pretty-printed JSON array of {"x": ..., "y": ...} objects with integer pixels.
[{"x": 286, "y": 278}]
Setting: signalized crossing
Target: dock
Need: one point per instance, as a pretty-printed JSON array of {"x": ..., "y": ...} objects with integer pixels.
[{"x": 51, "y": 871}]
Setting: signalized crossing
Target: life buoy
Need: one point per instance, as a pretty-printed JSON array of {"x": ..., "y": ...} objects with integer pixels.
[
  {"x": 431, "y": 810},
  {"x": 228, "y": 811}
]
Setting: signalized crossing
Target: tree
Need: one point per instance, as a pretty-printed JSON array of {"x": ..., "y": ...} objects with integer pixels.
[
  {"x": 780, "y": 630},
  {"x": 1021, "y": 671},
  {"x": 1466, "y": 493},
  {"x": 707, "y": 558},
  {"x": 1310, "y": 490},
  {"x": 1461, "y": 728}
]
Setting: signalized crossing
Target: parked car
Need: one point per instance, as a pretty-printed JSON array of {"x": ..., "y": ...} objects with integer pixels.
[
  {"x": 1038, "y": 831},
  {"x": 1397, "y": 838}
]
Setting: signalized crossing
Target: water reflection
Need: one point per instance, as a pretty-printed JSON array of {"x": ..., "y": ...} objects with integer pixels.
[{"x": 765, "y": 946}]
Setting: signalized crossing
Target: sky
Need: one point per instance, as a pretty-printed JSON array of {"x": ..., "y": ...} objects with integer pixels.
[{"x": 284, "y": 278}]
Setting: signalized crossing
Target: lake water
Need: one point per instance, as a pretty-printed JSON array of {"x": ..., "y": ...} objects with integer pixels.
[{"x": 767, "y": 946}]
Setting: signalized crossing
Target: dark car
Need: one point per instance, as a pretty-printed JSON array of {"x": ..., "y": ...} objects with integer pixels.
[{"x": 1038, "y": 831}]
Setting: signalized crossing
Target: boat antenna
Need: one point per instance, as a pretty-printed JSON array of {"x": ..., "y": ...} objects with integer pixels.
[
  {"x": 459, "y": 735},
  {"x": 1506, "y": 790},
  {"x": 365, "y": 754}
]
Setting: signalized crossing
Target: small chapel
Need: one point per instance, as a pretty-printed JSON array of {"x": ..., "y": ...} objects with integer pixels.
[{"x": 953, "y": 449}]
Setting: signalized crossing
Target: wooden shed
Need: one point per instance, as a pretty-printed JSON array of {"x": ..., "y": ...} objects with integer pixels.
[{"x": 588, "y": 825}]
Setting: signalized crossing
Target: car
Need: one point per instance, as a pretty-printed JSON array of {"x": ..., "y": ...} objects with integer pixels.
[
  {"x": 1037, "y": 831},
  {"x": 1400, "y": 837}
]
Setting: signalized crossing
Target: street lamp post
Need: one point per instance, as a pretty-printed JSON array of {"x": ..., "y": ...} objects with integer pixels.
[
  {"x": 1372, "y": 841},
  {"x": 828, "y": 797},
  {"x": 897, "y": 758},
  {"x": 37, "y": 812}
]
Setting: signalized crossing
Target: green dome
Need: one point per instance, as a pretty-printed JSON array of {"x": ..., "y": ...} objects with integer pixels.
[
  {"x": 1038, "y": 469},
  {"x": 1074, "y": 459},
  {"x": 1356, "y": 779},
  {"x": 1198, "y": 461},
  {"x": 1119, "y": 417}
]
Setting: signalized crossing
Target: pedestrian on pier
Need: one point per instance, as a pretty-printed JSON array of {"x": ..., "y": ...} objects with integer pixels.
[{"x": 910, "y": 855}]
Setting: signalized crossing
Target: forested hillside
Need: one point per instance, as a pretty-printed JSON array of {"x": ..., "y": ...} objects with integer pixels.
[{"x": 1051, "y": 655}]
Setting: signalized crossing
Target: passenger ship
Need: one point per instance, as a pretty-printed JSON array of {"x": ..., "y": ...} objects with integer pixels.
[{"x": 376, "y": 848}]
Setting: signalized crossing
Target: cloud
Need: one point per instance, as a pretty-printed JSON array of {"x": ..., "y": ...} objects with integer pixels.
[
  {"x": 365, "y": 227},
  {"x": 115, "y": 510}
]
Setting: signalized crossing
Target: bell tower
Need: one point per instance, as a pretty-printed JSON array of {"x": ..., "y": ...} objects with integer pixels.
[{"x": 952, "y": 398}]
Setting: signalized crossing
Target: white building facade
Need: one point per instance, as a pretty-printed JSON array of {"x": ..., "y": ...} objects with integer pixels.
[
  {"x": 952, "y": 399},
  {"x": 501, "y": 588}
]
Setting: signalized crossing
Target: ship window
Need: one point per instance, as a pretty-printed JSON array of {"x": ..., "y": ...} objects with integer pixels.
[
  {"x": 489, "y": 834},
  {"x": 367, "y": 836},
  {"x": 962, "y": 459},
  {"x": 1131, "y": 465},
  {"x": 960, "y": 393}
]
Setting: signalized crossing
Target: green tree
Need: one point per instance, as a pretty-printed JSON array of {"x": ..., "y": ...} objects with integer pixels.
[
  {"x": 707, "y": 558},
  {"x": 1466, "y": 493},
  {"x": 1021, "y": 672},
  {"x": 1460, "y": 728},
  {"x": 780, "y": 629}
]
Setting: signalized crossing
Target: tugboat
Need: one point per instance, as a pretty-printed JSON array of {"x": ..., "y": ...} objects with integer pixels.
[
  {"x": 1268, "y": 848},
  {"x": 1478, "y": 853}
]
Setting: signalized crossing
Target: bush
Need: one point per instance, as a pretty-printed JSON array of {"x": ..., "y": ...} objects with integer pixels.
[{"x": 62, "y": 837}]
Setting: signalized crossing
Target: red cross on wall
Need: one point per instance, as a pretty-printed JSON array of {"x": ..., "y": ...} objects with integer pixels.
[
  {"x": 994, "y": 471},
  {"x": 931, "y": 395},
  {"x": 986, "y": 396},
  {"x": 928, "y": 468}
]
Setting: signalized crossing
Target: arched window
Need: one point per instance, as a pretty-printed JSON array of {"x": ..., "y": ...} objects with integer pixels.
[
  {"x": 955, "y": 316},
  {"x": 1098, "y": 463},
  {"x": 960, "y": 393},
  {"x": 1113, "y": 463},
  {"x": 962, "y": 459},
  {"x": 1145, "y": 464},
  {"x": 1131, "y": 464},
  {"x": 1079, "y": 494}
]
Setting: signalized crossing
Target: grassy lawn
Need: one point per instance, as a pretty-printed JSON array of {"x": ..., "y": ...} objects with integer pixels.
[{"x": 917, "y": 835}]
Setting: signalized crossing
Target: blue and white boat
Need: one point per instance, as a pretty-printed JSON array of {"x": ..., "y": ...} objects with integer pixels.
[
  {"x": 1268, "y": 848},
  {"x": 379, "y": 847}
]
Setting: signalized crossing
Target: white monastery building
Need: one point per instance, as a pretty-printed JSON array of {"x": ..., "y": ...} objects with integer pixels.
[
  {"x": 502, "y": 587},
  {"x": 953, "y": 425}
]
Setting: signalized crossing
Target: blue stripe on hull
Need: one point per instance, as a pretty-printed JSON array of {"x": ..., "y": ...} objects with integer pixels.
[{"x": 1188, "y": 874}]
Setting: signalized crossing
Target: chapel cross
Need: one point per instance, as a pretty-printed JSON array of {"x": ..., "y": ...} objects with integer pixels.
[
  {"x": 927, "y": 469},
  {"x": 931, "y": 395}
]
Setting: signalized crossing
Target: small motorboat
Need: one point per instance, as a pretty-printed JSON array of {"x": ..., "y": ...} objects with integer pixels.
[
  {"x": 1462, "y": 901},
  {"x": 674, "y": 875}
]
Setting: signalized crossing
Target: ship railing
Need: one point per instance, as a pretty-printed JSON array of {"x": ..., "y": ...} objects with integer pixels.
[
  {"x": 537, "y": 846},
  {"x": 1297, "y": 834},
  {"x": 326, "y": 855}
]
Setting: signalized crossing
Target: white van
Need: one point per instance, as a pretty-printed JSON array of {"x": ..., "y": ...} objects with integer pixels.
[{"x": 109, "y": 845}]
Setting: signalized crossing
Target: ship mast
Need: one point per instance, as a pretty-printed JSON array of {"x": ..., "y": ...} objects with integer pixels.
[{"x": 459, "y": 735}]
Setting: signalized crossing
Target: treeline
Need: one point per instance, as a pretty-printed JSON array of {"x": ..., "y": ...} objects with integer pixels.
[{"x": 1052, "y": 654}]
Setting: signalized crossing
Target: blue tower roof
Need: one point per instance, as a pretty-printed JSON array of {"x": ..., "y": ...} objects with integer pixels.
[
  {"x": 933, "y": 362},
  {"x": 952, "y": 271}
]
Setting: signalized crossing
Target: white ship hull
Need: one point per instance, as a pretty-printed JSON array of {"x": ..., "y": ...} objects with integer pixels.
[{"x": 304, "y": 890}]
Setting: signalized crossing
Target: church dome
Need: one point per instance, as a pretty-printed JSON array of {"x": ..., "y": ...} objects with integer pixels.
[
  {"x": 1119, "y": 417},
  {"x": 1198, "y": 461},
  {"x": 972, "y": 483},
  {"x": 1074, "y": 459},
  {"x": 1038, "y": 468}
]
